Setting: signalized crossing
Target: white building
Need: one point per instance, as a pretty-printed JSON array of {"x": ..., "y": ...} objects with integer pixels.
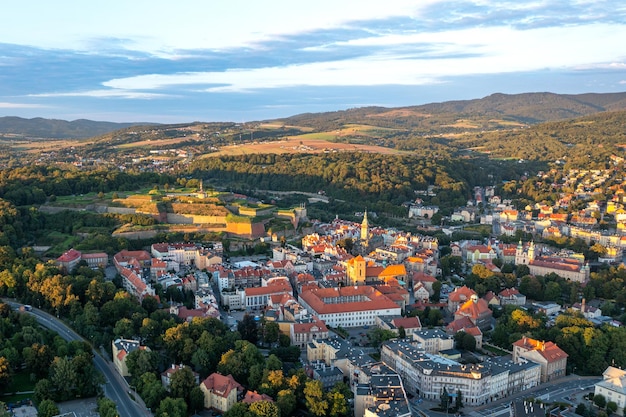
[{"x": 613, "y": 387}]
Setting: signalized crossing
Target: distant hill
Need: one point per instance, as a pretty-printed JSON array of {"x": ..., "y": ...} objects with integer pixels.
[
  {"x": 58, "y": 129},
  {"x": 527, "y": 108}
]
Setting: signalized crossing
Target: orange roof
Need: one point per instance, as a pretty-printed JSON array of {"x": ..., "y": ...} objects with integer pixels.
[
  {"x": 415, "y": 259},
  {"x": 473, "y": 309},
  {"x": 549, "y": 350},
  {"x": 461, "y": 294},
  {"x": 393, "y": 270}
]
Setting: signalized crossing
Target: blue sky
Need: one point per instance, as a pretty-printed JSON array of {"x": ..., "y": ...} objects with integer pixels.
[{"x": 242, "y": 60}]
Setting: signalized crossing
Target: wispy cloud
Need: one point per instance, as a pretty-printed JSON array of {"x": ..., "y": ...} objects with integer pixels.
[
  {"x": 7, "y": 105},
  {"x": 163, "y": 59},
  {"x": 125, "y": 94}
]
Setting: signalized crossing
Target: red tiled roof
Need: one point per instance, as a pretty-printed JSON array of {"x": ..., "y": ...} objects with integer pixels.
[
  {"x": 69, "y": 256},
  {"x": 422, "y": 277},
  {"x": 253, "y": 397},
  {"x": 461, "y": 294},
  {"x": 407, "y": 323},
  {"x": 373, "y": 299},
  {"x": 549, "y": 350},
  {"x": 221, "y": 385}
]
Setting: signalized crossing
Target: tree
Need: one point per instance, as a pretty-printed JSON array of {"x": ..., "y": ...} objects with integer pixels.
[
  {"x": 172, "y": 407},
  {"x": 264, "y": 409},
  {"x": 314, "y": 398},
  {"x": 247, "y": 328},
  {"x": 338, "y": 404},
  {"x": 182, "y": 382},
  {"x": 401, "y": 332},
  {"x": 444, "y": 400},
  {"x": 270, "y": 332},
  {"x": 458, "y": 400},
  {"x": 150, "y": 389},
  {"x": 43, "y": 390},
  {"x": 522, "y": 270},
  {"x": 286, "y": 402},
  {"x": 106, "y": 407},
  {"x": 611, "y": 407},
  {"x": 5, "y": 372},
  {"x": 140, "y": 361},
  {"x": 239, "y": 410},
  {"x": 196, "y": 399},
  {"x": 599, "y": 400},
  {"x": 47, "y": 408},
  {"x": 63, "y": 377}
]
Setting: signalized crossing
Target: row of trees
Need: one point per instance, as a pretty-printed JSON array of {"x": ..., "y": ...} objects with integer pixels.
[
  {"x": 590, "y": 349},
  {"x": 63, "y": 370}
]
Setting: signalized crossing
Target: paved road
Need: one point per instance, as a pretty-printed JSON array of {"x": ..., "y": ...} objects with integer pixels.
[{"x": 115, "y": 387}]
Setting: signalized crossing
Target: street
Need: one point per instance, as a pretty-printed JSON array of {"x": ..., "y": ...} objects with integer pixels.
[{"x": 115, "y": 387}]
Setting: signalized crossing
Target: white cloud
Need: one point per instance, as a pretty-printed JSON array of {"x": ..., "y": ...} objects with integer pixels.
[
  {"x": 129, "y": 94},
  {"x": 6, "y": 105},
  {"x": 451, "y": 53}
]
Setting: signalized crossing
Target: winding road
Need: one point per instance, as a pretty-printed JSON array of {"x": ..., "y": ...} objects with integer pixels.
[{"x": 115, "y": 387}]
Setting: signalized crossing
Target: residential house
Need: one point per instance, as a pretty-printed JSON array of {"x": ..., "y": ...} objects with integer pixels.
[
  {"x": 459, "y": 296},
  {"x": 220, "y": 392},
  {"x": 166, "y": 376},
  {"x": 552, "y": 359},
  {"x": 121, "y": 348},
  {"x": 511, "y": 296},
  {"x": 613, "y": 387},
  {"x": 477, "y": 311}
]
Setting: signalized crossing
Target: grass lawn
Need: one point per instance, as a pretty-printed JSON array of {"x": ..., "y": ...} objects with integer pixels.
[
  {"x": 495, "y": 350},
  {"x": 20, "y": 382}
]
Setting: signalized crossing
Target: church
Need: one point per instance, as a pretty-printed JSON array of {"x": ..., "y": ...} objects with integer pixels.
[{"x": 572, "y": 269}]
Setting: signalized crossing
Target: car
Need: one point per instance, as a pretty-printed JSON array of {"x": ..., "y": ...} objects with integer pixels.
[{"x": 366, "y": 327}]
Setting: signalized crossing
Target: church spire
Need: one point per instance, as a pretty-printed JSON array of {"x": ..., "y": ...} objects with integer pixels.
[{"x": 365, "y": 231}]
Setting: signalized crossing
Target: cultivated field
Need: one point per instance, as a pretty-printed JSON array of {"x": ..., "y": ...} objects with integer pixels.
[{"x": 316, "y": 143}]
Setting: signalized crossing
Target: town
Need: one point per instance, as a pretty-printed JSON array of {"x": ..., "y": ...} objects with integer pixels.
[{"x": 390, "y": 313}]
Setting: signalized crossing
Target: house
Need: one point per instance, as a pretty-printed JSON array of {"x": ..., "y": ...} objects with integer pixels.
[
  {"x": 434, "y": 340},
  {"x": 121, "y": 348},
  {"x": 253, "y": 397},
  {"x": 420, "y": 292},
  {"x": 511, "y": 296},
  {"x": 425, "y": 279},
  {"x": 477, "y": 311},
  {"x": 166, "y": 376},
  {"x": 547, "y": 354},
  {"x": 69, "y": 260},
  {"x": 304, "y": 332},
  {"x": 613, "y": 387},
  {"x": 220, "y": 392},
  {"x": 586, "y": 310},
  {"x": 409, "y": 324},
  {"x": 464, "y": 324},
  {"x": 459, "y": 296}
]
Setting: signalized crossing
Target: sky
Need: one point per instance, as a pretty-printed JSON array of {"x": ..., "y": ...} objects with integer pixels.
[{"x": 169, "y": 61}]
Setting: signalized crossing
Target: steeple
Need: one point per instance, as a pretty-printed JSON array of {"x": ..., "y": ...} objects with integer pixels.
[
  {"x": 531, "y": 251},
  {"x": 365, "y": 231}
]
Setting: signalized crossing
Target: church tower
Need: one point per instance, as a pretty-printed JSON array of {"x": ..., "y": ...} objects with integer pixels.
[
  {"x": 531, "y": 251},
  {"x": 365, "y": 230}
]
